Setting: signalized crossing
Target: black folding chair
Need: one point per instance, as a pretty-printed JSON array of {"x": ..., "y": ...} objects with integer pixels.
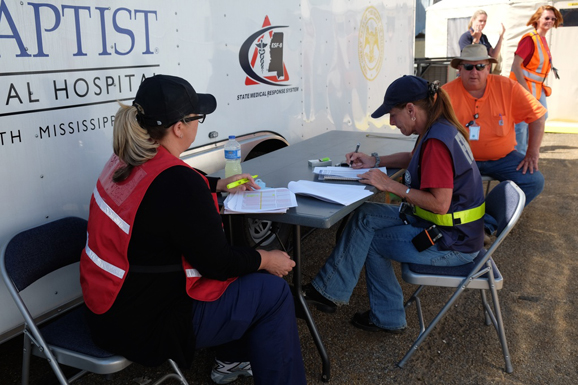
[
  {"x": 65, "y": 339},
  {"x": 505, "y": 203}
]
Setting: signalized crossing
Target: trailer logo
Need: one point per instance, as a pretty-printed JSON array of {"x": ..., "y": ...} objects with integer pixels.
[
  {"x": 371, "y": 43},
  {"x": 261, "y": 57}
]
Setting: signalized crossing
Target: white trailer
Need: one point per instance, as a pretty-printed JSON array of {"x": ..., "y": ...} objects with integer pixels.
[
  {"x": 448, "y": 19},
  {"x": 282, "y": 72}
]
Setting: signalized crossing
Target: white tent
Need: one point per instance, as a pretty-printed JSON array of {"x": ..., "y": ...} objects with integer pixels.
[{"x": 448, "y": 19}]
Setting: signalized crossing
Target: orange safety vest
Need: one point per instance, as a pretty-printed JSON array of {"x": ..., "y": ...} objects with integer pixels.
[
  {"x": 537, "y": 69},
  {"x": 113, "y": 207}
]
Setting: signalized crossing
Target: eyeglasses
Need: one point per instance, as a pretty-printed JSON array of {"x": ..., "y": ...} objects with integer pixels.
[
  {"x": 469, "y": 67},
  {"x": 200, "y": 118},
  {"x": 550, "y": 18}
]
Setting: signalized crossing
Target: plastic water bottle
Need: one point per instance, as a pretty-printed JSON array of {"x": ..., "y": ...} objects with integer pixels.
[{"x": 232, "y": 157}]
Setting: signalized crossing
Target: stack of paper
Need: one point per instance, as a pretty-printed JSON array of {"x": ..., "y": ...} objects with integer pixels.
[
  {"x": 271, "y": 200},
  {"x": 343, "y": 194},
  {"x": 342, "y": 173}
]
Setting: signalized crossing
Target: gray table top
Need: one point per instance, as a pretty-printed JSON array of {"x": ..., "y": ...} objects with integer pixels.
[{"x": 288, "y": 164}]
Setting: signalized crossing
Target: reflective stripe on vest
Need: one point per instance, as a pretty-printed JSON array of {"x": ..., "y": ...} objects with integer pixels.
[
  {"x": 106, "y": 209},
  {"x": 192, "y": 273},
  {"x": 452, "y": 219},
  {"x": 108, "y": 267},
  {"x": 536, "y": 71}
]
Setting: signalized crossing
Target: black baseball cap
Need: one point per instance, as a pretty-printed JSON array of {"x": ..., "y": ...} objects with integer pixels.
[
  {"x": 403, "y": 90},
  {"x": 163, "y": 100}
]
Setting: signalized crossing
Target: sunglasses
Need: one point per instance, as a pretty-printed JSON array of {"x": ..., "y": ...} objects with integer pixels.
[
  {"x": 550, "y": 18},
  {"x": 469, "y": 67}
]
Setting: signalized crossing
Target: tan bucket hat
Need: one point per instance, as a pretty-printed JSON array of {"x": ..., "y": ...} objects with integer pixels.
[{"x": 473, "y": 52}]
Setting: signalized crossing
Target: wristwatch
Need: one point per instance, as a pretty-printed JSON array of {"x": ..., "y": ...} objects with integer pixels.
[{"x": 376, "y": 156}]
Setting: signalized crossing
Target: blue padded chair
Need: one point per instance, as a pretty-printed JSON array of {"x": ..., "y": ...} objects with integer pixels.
[
  {"x": 64, "y": 340},
  {"x": 505, "y": 203}
]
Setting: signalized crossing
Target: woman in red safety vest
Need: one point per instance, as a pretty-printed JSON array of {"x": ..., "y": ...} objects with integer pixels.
[
  {"x": 533, "y": 61},
  {"x": 158, "y": 276}
]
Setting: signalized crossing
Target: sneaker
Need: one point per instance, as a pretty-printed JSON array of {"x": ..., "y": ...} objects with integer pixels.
[
  {"x": 314, "y": 297},
  {"x": 225, "y": 372},
  {"x": 362, "y": 321}
]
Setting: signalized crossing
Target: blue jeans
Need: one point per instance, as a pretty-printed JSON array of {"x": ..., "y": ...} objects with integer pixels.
[
  {"x": 522, "y": 129},
  {"x": 254, "y": 320},
  {"x": 374, "y": 237},
  {"x": 505, "y": 169}
]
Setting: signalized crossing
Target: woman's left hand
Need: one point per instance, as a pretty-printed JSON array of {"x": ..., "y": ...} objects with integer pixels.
[
  {"x": 377, "y": 179},
  {"x": 250, "y": 185}
]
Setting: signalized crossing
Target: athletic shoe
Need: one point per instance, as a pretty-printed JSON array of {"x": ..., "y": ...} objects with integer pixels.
[
  {"x": 362, "y": 321},
  {"x": 226, "y": 372}
]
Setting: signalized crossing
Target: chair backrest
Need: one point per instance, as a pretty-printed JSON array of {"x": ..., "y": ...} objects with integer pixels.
[
  {"x": 34, "y": 253},
  {"x": 505, "y": 203}
]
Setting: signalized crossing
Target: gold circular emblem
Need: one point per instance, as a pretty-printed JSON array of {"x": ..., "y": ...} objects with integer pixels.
[{"x": 371, "y": 43}]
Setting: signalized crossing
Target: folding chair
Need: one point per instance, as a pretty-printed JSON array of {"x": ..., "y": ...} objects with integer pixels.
[
  {"x": 65, "y": 339},
  {"x": 505, "y": 203}
]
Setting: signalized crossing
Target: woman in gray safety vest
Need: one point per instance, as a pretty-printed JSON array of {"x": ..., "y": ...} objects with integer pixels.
[{"x": 439, "y": 223}]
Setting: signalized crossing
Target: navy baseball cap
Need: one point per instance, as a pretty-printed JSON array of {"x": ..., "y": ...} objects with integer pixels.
[
  {"x": 163, "y": 100},
  {"x": 403, "y": 90}
]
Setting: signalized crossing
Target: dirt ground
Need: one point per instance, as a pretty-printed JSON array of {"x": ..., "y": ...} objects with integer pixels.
[{"x": 538, "y": 261}]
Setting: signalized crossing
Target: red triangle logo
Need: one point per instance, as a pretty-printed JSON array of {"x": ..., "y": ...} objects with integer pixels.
[{"x": 273, "y": 78}]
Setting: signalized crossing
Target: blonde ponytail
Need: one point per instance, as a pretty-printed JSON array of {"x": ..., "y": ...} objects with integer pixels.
[{"x": 131, "y": 142}]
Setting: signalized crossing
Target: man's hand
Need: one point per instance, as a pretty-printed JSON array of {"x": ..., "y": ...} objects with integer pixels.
[{"x": 530, "y": 162}]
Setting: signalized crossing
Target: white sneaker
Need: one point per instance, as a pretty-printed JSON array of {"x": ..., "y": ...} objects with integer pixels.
[{"x": 225, "y": 372}]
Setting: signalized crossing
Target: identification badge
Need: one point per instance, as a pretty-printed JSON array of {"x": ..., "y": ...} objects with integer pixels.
[{"x": 474, "y": 132}]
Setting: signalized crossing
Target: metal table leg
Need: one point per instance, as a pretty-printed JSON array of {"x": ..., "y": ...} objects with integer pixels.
[{"x": 325, "y": 374}]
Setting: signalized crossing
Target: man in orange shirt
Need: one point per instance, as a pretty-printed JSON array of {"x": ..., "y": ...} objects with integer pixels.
[{"x": 489, "y": 106}]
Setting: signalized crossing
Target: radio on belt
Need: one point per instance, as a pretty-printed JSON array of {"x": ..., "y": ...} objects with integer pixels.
[{"x": 319, "y": 162}]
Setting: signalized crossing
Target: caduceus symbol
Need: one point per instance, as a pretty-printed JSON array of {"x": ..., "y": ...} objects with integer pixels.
[{"x": 261, "y": 47}]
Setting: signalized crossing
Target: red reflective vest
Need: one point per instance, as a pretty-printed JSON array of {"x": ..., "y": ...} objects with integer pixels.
[
  {"x": 536, "y": 71},
  {"x": 113, "y": 207}
]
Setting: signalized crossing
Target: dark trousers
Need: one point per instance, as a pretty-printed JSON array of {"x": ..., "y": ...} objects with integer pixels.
[{"x": 254, "y": 320}]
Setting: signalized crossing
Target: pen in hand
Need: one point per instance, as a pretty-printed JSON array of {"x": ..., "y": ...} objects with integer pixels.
[
  {"x": 239, "y": 182},
  {"x": 356, "y": 149}
]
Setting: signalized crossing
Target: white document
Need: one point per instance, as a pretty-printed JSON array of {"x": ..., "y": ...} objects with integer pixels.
[
  {"x": 271, "y": 200},
  {"x": 330, "y": 192},
  {"x": 343, "y": 173}
]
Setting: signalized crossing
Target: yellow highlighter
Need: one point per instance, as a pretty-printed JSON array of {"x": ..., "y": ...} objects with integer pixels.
[{"x": 239, "y": 182}]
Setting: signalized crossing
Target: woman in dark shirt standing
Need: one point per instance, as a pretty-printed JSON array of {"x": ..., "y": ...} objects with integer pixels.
[
  {"x": 474, "y": 34},
  {"x": 157, "y": 274}
]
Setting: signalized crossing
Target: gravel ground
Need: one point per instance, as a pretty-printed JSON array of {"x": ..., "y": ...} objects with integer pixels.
[{"x": 538, "y": 302}]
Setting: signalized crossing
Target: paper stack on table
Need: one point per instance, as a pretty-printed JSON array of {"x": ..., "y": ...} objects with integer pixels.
[
  {"x": 343, "y": 194},
  {"x": 342, "y": 173},
  {"x": 271, "y": 200}
]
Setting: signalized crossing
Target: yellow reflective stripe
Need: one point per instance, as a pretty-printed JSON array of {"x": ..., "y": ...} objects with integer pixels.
[{"x": 464, "y": 216}]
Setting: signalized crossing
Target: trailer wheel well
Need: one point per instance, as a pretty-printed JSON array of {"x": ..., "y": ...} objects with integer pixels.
[{"x": 265, "y": 148}]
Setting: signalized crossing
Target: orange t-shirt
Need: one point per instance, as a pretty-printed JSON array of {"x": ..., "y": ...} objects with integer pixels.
[{"x": 505, "y": 103}]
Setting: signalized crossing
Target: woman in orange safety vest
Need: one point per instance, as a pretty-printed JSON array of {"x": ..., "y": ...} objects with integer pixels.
[{"x": 533, "y": 62}]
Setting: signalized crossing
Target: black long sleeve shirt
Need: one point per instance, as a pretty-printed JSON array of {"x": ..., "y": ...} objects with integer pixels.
[{"x": 150, "y": 320}]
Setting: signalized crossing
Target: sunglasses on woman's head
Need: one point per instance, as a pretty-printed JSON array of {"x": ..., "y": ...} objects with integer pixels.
[{"x": 469, "y": 67}]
